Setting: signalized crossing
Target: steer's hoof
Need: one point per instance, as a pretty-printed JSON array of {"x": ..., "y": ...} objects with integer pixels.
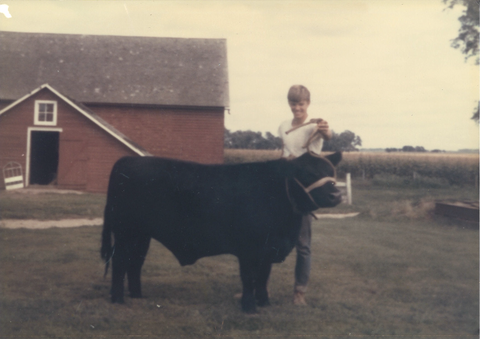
[
  {"x": 262, "y": 298},
  {"x": 250, "y": 311},
  {"x": 117, "y": 300},
  {"x": 263, "y": 303},
  {"x": 248, "y": 304}
]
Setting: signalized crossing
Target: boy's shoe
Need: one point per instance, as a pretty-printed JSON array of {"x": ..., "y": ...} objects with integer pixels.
[{"x": 299, "y": 299}]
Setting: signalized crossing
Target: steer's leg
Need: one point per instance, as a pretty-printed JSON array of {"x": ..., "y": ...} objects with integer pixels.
[
  {"x": 248, "y": 277},
  {"x": 137, "y": 258},
  {"x": 261, "y": 281},
  {"x": 120, "y": 260}
]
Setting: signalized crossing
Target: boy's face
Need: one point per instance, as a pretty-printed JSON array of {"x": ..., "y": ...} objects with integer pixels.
[{"x": 299, "y": 109}]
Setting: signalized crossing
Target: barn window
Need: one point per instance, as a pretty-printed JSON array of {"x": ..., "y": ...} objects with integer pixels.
[{"x": 45, "y": 112}]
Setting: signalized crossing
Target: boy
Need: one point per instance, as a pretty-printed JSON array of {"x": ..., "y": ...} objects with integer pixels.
[{"x": 293, "y": 143}]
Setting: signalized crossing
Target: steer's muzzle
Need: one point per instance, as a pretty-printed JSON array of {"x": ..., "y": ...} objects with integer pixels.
[{"x": 335, "y": 198}]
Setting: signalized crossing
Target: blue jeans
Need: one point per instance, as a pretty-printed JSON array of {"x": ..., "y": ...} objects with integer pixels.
[{"x": 303, "y": 264}]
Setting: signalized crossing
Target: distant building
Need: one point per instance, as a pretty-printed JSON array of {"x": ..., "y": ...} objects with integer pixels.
[{"x": 71, "y": 105}]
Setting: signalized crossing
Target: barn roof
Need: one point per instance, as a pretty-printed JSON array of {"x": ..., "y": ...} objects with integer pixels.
[
  {"x": 116, "y": 69},
  {"x": 89, "y": 114}
]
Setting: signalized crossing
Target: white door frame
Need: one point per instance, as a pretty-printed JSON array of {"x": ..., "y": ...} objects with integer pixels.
[{"x": 29, "y": 140}]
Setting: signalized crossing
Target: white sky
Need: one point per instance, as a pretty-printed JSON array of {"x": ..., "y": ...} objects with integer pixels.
[{"x": 383, "y": 69}]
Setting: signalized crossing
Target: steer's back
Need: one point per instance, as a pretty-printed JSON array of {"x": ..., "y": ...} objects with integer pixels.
[{"x": 197, "y": 210}]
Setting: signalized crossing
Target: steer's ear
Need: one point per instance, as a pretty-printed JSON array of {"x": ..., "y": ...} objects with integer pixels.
[{"x": 334, "y": 158}]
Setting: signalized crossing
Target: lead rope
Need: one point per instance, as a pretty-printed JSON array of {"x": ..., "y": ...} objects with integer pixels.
[
  {"x": 315, "y": 134},
  {"x": 316, "y": 184},
  {"x": 294, "y": 205},
  {"x": 307, "y": 190},
  {"x": 312, "y": 121}
]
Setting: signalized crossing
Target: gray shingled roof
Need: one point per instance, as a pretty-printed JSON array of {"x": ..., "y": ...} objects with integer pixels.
[{"x": 116, "y": 69}]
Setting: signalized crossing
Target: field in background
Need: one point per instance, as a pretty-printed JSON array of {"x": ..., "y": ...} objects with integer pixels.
[{"x": 436, "y": 168}]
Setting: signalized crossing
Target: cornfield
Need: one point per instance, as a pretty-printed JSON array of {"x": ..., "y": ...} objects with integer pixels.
[{"x": 453, "y": 168}]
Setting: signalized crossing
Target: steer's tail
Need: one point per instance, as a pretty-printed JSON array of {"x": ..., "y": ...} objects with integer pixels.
[{"x": 107, "y": 250}]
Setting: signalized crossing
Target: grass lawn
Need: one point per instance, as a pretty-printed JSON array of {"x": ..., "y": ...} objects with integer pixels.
[
  {"x": 394, "y": 271},
  {"x": 50, "y": 206}
]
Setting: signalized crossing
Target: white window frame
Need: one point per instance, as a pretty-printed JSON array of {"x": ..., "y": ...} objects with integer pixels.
[{"x": 37, "y": 113}]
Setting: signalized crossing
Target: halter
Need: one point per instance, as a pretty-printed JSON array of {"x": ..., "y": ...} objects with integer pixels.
[{"x": 319, "y": 183}]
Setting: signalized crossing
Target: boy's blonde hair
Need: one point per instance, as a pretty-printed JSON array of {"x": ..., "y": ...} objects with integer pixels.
[{"x": 298, "y": 93}]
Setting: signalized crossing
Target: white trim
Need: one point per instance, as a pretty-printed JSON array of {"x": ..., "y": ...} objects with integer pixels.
[
  {"x": 87, "y": 115},
  {"x": 36, "y": 116},
  {"x": 15, "y": 103},
  {"x": 133, "y": 148},
  {"x": 29, "y": 140}
]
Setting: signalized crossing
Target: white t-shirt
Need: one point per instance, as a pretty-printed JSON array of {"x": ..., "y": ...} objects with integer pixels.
[{"x": 294, "y": 141}]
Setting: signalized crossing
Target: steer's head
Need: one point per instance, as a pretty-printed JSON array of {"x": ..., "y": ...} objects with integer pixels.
[{"x": 313, "y": 182}]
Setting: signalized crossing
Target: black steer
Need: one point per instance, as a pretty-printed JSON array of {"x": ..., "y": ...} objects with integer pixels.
[{"x": 252, "y": 211}]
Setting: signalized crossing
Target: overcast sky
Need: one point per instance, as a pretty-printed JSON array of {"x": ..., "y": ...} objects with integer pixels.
[{"x": 382, "y": 69}]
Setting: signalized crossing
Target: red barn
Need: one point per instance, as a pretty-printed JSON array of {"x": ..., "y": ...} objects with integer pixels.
[{"x": 71, "y": 105}]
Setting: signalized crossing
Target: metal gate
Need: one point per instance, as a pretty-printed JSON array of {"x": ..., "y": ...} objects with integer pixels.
[{"x": 13, "y": 176}]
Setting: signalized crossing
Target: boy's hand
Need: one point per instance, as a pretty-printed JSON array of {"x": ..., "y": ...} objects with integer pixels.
[{"x": 322, "y": 127}]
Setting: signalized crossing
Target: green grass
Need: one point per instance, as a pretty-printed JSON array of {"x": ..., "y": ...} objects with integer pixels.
[
  {"x": 50, "y": 206},
  {"x": 394, "y": 271}
]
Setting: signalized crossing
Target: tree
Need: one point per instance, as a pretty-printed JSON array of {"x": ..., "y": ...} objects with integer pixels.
[
  {"x": 250, "y": 140},
  {"x": 408, "y": 149},
  {"x": 468, "y": 34},
  {"x": 476, "y": 111},
  {"x": 345, "y": 142},
  {"x": 420, "y": 149},
  {"x": 276, "y": 142}
]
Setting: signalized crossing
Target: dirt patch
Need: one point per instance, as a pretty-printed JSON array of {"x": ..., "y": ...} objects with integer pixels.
[
  {"x": 65, "y": 223},
  {"x": 336, "y": 216},
  {"x": 42, "y": 224},
  {"x": 37, "y": 189}
]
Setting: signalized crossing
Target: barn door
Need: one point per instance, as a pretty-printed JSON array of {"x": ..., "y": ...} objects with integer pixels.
[{"x": 44, "y": 148}]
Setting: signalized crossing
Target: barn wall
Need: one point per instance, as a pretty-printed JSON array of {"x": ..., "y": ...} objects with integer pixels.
[
  {"x": 86, "y": 154},
  {"x": 185, "y": 134},
  {"x": 13, "y": 137}
]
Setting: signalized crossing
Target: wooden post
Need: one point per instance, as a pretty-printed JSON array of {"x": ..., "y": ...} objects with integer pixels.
[{"x": 349, "y": 189}]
